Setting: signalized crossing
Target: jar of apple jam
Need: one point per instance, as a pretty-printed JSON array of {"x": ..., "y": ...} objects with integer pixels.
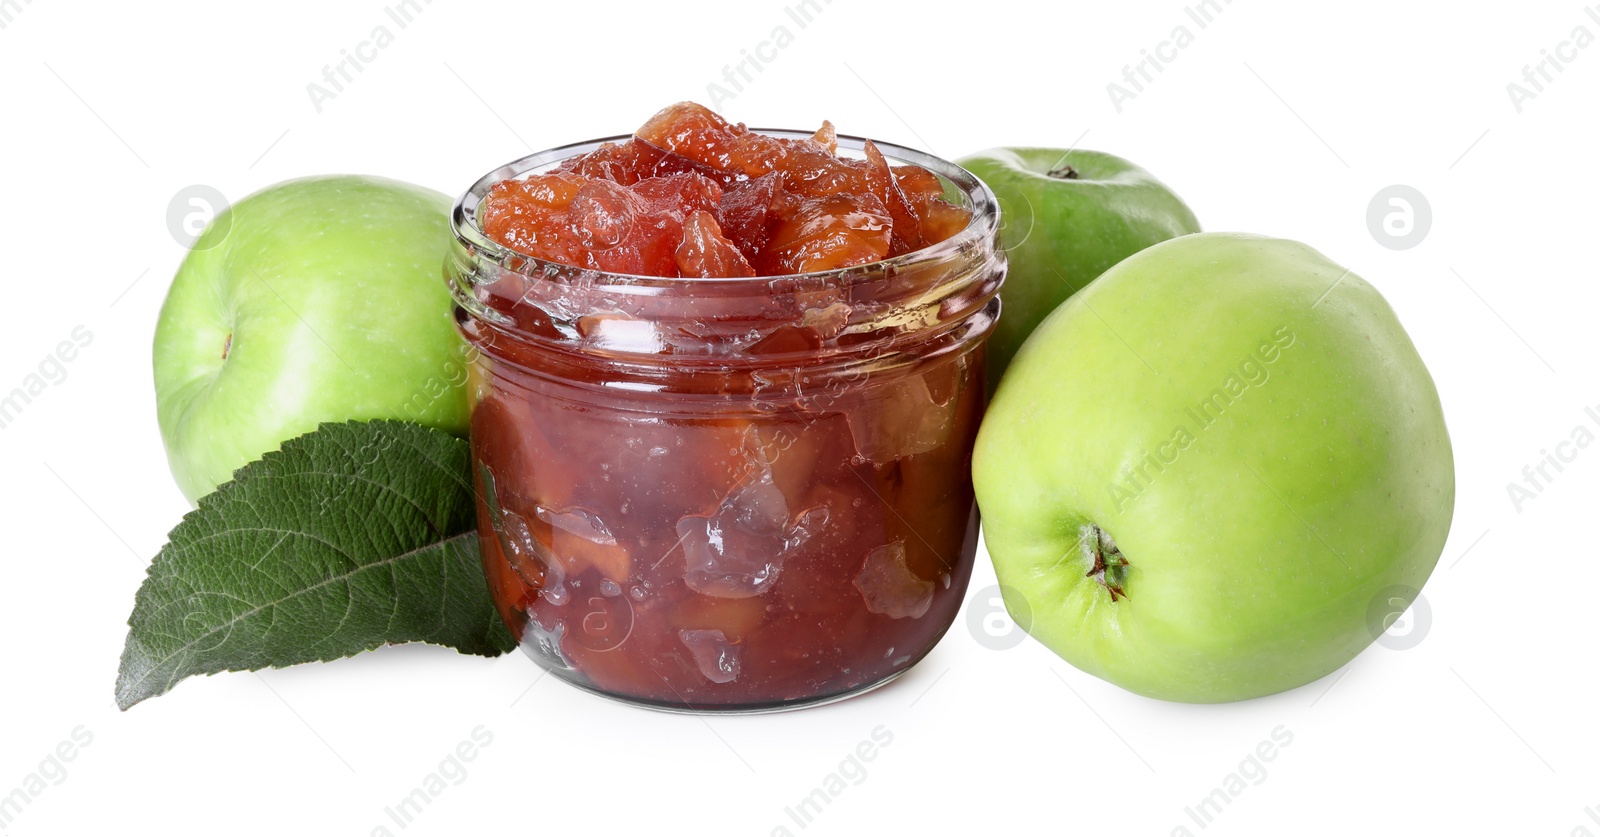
[{"x": 727, "y": 494}]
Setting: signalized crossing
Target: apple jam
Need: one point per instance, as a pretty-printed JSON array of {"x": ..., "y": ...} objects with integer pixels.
[
  {"x": 721, "y": 491},
  {"x": 692, "y": 195}
]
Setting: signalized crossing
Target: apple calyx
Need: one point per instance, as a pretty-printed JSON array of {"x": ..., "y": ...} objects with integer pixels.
[
  {"x": 1063, "y": 172},
  {"x": 1108, "y": 565}
]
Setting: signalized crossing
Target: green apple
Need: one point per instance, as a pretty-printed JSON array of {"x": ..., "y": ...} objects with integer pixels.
[
  {"x": 1069, "y": 216},
  {"x": 314, "y": 300},
  {"x": 1205, "y": 469}
]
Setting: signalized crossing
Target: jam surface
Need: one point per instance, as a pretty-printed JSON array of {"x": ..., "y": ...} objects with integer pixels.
[{"x": 692, "y": 195}]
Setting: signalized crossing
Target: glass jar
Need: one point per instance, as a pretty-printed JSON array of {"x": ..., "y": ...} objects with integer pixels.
[{"x": 729, "y": 495}]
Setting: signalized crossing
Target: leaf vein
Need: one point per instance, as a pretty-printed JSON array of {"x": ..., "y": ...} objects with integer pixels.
[{"x": 161, "y": 664}]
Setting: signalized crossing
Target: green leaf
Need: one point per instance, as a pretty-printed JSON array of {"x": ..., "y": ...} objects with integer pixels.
[{"x": 350, "y": 537}]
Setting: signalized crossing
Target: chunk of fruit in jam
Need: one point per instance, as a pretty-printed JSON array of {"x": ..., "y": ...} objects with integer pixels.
[
  {"x": 704, "y": 251},
  {"x": 829, "y": 232},
  {"x": 694, "y": 195}
]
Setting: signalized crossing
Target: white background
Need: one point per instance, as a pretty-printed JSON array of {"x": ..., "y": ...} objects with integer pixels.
[{"x": 1279, "y": 118}]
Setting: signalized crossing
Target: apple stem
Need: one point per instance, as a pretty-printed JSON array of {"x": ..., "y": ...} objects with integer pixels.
[
  {"x": 227, "y": 345},
  {"x": 1063, "y": 172},
  {"x": 1109, "y": 566}
]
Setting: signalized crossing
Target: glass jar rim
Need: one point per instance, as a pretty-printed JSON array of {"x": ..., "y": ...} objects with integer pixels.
[{"x": 980, "y": 201}]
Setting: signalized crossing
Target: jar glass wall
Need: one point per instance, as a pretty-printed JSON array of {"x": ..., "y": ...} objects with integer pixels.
[{"x": 728, "y": 494}]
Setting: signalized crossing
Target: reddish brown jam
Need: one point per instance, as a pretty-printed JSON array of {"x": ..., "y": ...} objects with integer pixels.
[
  {"x": 692, "y": 195},
  {"x": 728, "y": 561},
  {"x": 726, "y": 493}
]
